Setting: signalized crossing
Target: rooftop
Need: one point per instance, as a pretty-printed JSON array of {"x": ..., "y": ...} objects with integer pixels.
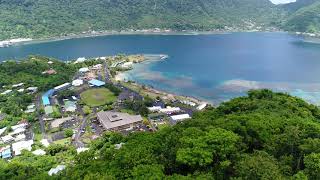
[
  {"x": 112, "y": 120},
  {"x": 45, "y": 97},
  {"x": 22, "y": 145},
  {"x": 57, "y": 122},
  {"x": 97, "y": 83}
]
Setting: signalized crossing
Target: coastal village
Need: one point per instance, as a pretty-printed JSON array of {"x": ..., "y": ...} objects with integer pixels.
[{"x": 92, "y": 103}]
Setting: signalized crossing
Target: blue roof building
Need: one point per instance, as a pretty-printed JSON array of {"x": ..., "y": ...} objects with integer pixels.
[
  {"x": 46, "y": 96},
  {"x": 97, "y": 83},
  {"x": 6, "y": 154}
]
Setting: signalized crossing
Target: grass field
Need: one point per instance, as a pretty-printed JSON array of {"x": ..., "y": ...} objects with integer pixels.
[{"x": 97, "y": 97}]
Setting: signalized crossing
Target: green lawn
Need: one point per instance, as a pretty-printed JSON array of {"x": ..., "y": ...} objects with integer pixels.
[
  {"x": 97, "y": 97},
  {"x": 63, "y": 141}
]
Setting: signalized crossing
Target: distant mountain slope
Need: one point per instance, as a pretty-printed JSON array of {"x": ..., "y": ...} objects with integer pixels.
[
  {"x": 45, "y": 18},
  {"x": 292, "y": 7},
  {"x": 306, "y": 19}
]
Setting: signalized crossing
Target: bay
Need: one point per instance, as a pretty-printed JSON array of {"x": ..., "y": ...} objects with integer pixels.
[{"x": 212, "y": 67}]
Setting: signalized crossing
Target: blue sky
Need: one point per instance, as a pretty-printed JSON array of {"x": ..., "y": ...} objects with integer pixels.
[{"x": 281, "y": 1}]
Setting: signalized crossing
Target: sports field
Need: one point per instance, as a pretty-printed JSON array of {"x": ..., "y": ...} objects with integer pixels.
[{"x": 97, "y": 97}]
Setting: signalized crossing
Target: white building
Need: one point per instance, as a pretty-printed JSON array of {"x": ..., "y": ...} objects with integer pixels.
[
  {"x": 202, "y": 106},
  {"x": 17, "y": 85},
  {"x": 7, "y": 139},
  {"x": 18, "y": 131},
  {"x": 54, "y": 171},
  {"x": 154, "y": 108},
  {"x": 20, "y": 90},
  {"x": 190, "y": 103},
  {"x": 170, "y": 110},
  {"x": 80, "y": 60},
  {"x": 62, "y": 87},
  {"x": 84, "y": 70},
  {"x": 22, "y": 145},
  {"x": 6, "y": 92},
  {"x": 77, "y": 82},
  {"x": 32, "y": 89},
  {"x": 80, "y": 150},
  {"x": 177, "y": 118},
  {"x": 20, "y": 137},
  {"x": 22, "y": 125},
  {"x": 127, "y": 65},
  {"x": 97, "y": 67},
  {"x": 3, "y": 130},
  {"x": 39, "y": 152}
]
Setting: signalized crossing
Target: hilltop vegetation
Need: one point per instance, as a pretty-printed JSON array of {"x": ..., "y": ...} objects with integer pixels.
[
  {"x": 45, "y": 18},
  {"x": 305, "y": 19},
  {"x": 264, "y": 135}
]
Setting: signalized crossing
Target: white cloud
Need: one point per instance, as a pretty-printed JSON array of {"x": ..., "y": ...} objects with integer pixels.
[{"x": 281, "y": 1}]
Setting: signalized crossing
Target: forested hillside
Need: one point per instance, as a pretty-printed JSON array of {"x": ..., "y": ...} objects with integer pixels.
[
  {"x": 305, "y": 19},
  {"x": 45, "y": 18},
  {"x": 294, "y": 6},
  {"x": 264, "y": 135}
]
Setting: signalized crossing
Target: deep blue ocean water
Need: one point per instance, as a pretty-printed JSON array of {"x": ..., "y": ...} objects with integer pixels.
[{"x": 212, "y": 67}]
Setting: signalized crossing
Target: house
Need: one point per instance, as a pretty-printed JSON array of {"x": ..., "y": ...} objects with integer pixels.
[
  {"x": 20, "y": 90},
  {"x": 3, "y": 130},
  {"x": 62, "y": 87},
  {"x": 177, "y": 118},
  {"x": 6, "y": 92},
  {"x": 202, "y": 106},
  {"x": 84, "y": 70},
  {"x": 17, "y": 131},
  {"x": 154, "y": 108},
  {"x": 22, "y": 145},
  {"x": 39, "y": 152},
  {"x": 20, "y": 137},
  {"x": 80, "y": 60},
  {"x": 189, "y": 103},
  {"x": 57, "y": 122},
  {"x": 7, "y": 139},
  {"x": 5, "y": 152},
  {"x": 32, "y": 89},
  {"x": 56, "y": 170},
  {"x": 127, "y": 65},
  {"x": 81, "y": 149},
  {"x": 17, "y": 85},
  {"x": 21, "y": 125},
  {"x": 113, "y": 121},
  {"x": 96, "y": 83},
  {"x": 170, "y": 110},
  {"x": 77, "y": 82}
]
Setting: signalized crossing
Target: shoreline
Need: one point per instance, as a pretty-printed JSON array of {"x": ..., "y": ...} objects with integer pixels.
[
  {"x": 166, "y": 32},
  {"x": 122, "y": 77},
  {"x": 137, "y": 32}
]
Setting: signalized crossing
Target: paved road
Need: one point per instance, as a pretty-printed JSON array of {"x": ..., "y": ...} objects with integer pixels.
[
  {"x": 106, "y": 72},
  {"x": 83, "y": 123},
  {"x": 40, "y": 117}
]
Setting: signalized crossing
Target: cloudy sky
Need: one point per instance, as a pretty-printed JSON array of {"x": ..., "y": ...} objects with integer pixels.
[{"x": 282, "y": 1}]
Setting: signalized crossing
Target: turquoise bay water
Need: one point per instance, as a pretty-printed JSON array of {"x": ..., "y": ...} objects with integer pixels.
[{"x": 211, "y": 67}]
